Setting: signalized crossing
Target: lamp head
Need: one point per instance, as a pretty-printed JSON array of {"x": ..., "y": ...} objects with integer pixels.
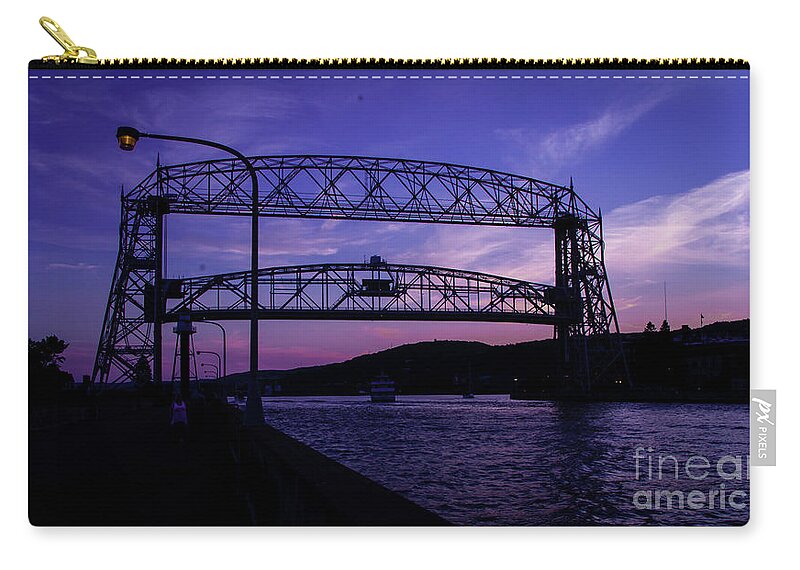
[{"x": 127, "y": 137}]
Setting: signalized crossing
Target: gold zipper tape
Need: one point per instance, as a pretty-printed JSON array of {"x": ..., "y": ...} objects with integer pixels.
[
  {"x": 381, "y": 63},
  {"x": 82, "y": 57}
]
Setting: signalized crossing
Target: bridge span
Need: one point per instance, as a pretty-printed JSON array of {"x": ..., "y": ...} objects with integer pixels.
[
  {"x": 578, "y": 305},
  {"x": 368, "y": 291}
]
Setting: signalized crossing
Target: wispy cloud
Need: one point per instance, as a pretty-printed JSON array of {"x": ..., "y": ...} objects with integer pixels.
[
  {"x": 510, "y": 252},
  {"x": 567, "y": 143},
  {"x": 73, "y": 266},
  {"x": 547, "y": 151},
  {"x": 625, "y": 303},
  {"x": 696, "y": 241},
  {"x": 709, "y": 225},
  {"x": 220, "y": 244}
]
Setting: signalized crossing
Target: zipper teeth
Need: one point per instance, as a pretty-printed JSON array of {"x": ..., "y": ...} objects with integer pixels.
[{"x": 442, "y": 63}]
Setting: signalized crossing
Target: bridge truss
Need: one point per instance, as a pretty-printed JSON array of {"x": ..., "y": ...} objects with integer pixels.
[
  {"x": 579, "y": 303},
  {"x": 365, "y": 291}
]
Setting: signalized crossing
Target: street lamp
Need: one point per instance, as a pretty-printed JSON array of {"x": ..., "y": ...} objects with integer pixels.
[
  {"x": 224, "y": 346},
  {"x": 219, "y": 360},
  {"x": 127, "y": 137},
  {"x": 214, "y": 368}
]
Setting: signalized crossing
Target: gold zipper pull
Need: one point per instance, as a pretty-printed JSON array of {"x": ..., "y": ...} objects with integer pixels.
[{"x": 72, "y": 52}]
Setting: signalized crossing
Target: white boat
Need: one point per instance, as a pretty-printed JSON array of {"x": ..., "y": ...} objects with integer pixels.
[
  {"x": 468, "y": 395},
  {"x": 382, "y": 389}
]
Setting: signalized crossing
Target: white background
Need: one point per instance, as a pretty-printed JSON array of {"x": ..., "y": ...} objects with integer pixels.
[{"x": 766, "y": 36}]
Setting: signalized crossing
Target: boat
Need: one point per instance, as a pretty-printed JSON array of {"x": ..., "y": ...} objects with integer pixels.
[
  {"x": 468, "y": 395},
  {"x": 382, "y": 389}
]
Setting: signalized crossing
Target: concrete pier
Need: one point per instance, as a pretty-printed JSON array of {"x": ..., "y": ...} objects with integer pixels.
[{"x": 120, "y": 465}]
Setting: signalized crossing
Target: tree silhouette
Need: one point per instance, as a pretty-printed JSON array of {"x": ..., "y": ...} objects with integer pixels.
[
  {"x": 664, "y": 327},
  {"x": 650, "y": 327},
  {"x": 45, "y": 377},
  {"x": 46, "y": 353},
  {"x": 141, "y": 372}
]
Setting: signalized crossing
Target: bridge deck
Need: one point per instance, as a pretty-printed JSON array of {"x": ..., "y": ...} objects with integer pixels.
[{"x": 369, "y": 291}]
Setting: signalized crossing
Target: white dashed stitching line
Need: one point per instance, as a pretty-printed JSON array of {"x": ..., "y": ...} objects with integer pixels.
[{"x": 392, "y": 77}]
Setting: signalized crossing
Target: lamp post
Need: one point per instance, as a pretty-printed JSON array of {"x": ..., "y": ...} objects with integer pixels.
[
  {"x": 214, "y": 368},
  {"x": 127, "y": 137},
  {"x": 224, "y": 346},
  {"x": 219, "y": 359}
]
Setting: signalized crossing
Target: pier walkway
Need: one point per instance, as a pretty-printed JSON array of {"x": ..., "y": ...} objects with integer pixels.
[{"x": 121, "y": 465}]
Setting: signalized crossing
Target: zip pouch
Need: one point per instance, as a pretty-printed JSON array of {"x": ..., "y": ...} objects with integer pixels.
[{"x": 380, "y": 292}]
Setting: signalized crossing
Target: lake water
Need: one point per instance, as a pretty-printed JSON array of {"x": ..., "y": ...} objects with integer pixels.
[{"x": 496, "y": 461}]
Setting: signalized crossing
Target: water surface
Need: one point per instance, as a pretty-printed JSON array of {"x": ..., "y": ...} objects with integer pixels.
[{"x": 495, "y": 461}]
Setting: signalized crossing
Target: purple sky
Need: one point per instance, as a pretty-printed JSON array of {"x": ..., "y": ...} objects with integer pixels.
[{"x": 666, "y": 160}]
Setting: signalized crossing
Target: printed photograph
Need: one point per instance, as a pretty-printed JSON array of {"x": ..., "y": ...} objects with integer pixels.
[{"x": 388, "y": 297}]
